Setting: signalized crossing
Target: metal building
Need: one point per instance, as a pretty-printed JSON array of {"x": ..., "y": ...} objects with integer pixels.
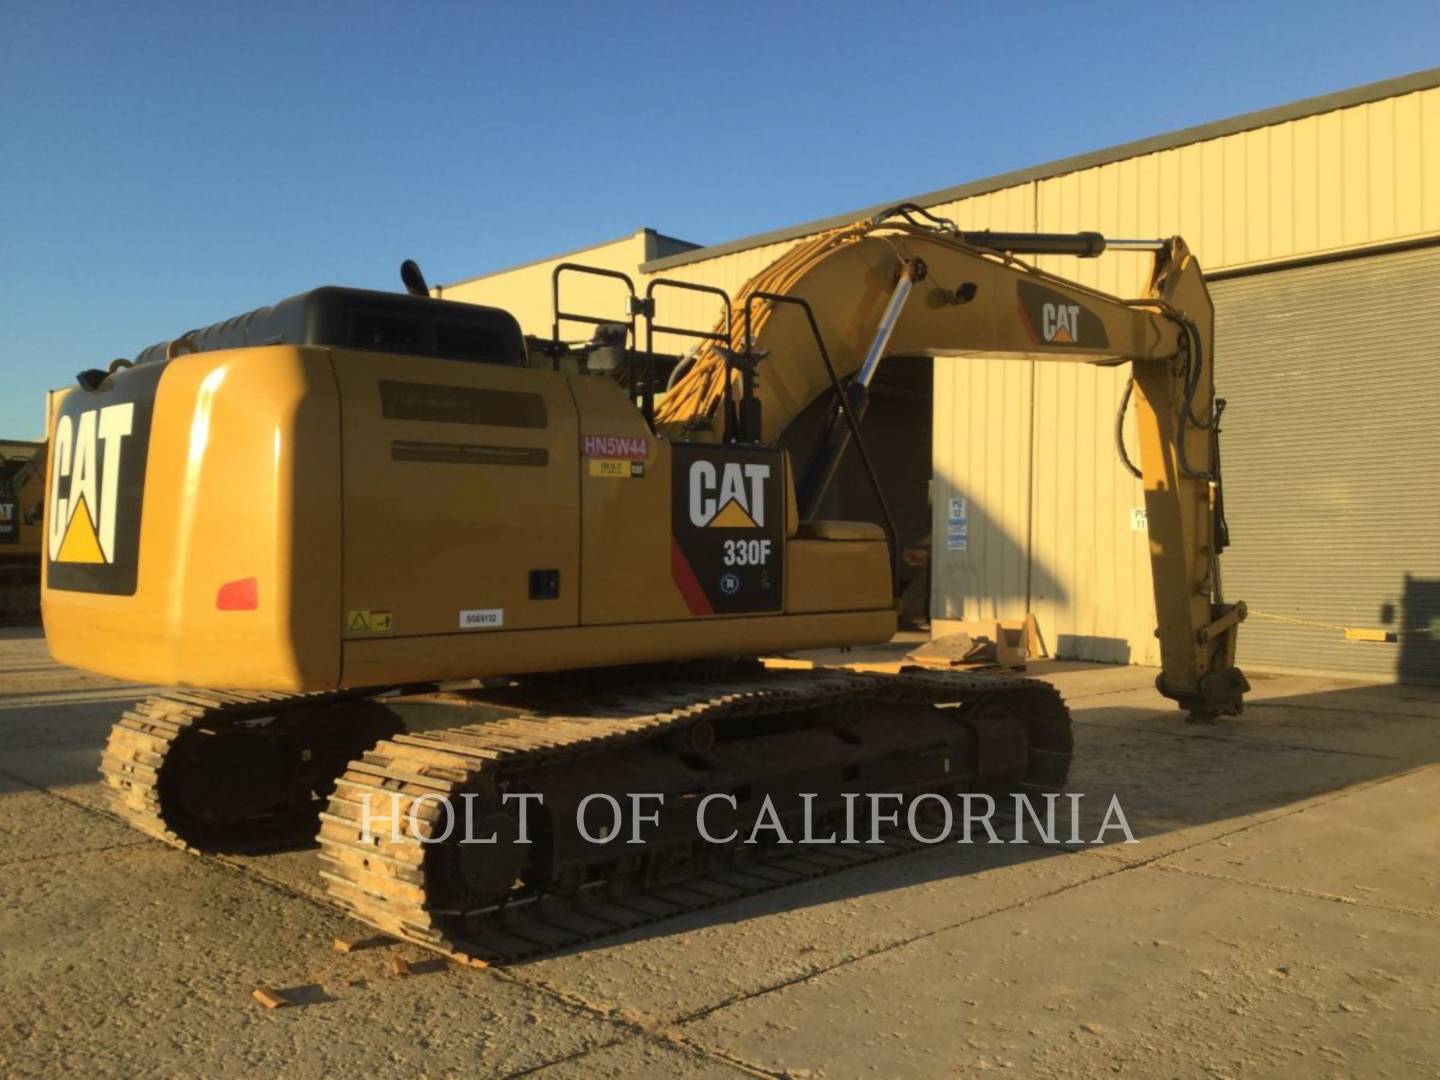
[{"x": 1319, "y": 225}]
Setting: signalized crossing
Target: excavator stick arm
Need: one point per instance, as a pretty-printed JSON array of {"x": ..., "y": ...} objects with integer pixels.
[{"x": 968, "y": 295}]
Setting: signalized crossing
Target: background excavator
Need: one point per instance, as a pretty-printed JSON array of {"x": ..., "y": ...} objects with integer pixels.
[
  {"x": 393, "y": 557},
  {"x": 22, "y": 501}
]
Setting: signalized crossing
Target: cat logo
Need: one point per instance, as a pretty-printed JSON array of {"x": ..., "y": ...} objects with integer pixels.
[
  {"x": 731, "y": 498},
  {"x": 1060, "y": 323},
  {"x": 1052, "y": 318},
  {"x": 85, "y": 484}
]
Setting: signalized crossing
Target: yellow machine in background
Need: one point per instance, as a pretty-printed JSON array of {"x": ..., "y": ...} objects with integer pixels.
[
  {"x": 22, "y": 502},
  {"x": 318, "y": 512}
]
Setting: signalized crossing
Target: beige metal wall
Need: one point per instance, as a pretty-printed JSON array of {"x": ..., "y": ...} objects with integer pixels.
[
  {"x": 1030, "y": 446},
  {"x": 1348, "y": 179},
  {"x": 525, "y": 291},
  {"x": 1334, "y": 466}
]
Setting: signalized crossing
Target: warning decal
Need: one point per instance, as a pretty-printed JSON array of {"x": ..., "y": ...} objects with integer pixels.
[
  {"x": 616, "y": 469},
  {"x": 369, "y": 621}
]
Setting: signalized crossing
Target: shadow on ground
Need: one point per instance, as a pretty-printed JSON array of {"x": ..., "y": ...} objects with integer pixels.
[{"x": 1176, "y": 783}]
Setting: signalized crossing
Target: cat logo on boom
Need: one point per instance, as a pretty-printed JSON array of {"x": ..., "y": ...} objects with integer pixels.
[
  {"x": 1060, "y": 323},
  {"x": 85, "y": 484},
  {"x": 731, "y": 496},
  {"x": 1052, "y": 318}
]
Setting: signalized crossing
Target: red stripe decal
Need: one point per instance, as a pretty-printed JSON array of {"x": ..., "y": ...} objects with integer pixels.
[
  {"x": 686, "y": 582},
  {"x": 1025, "y": 320}
]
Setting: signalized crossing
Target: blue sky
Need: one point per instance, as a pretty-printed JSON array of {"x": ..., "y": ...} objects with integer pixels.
[{"x": 164, "y": 165}]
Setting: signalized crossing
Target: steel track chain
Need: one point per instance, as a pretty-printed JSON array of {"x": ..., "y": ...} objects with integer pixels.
[
  {"x": 382, "y": 882},
  {"x": 143, "y": 741}
]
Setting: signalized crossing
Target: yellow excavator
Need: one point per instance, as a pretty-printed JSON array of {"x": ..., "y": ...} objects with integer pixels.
[
  {"x": 22, "y": 488},
  {"x": 393, "y": 556}
]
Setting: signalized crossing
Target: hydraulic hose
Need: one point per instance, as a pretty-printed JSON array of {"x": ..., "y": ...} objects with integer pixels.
[{"x": 1120, "y": 429}]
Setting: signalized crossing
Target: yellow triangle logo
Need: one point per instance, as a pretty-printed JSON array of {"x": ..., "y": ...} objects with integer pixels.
[
  {"x": 80, "y": 545},
  {"x": 733, "y": 517},
  {"x": 1063, "y": 335}
]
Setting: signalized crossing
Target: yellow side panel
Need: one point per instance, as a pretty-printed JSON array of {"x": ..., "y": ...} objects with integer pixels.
[
  {"x": 460, "y": 480},
  {"x": 823, "y": 575},
  {"x": 243, "y": 481},
  {"x": 625, "y": 529},
  {"x": 423, "y": 659}
]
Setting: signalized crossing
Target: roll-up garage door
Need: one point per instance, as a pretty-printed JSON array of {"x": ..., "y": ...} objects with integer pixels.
[{"x": 1332, "y": 464}]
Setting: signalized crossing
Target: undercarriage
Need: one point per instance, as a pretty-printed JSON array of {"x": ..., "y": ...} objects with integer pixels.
[
  {"x": 19, "y": 590},
  {"x": 511, "y": 822}
]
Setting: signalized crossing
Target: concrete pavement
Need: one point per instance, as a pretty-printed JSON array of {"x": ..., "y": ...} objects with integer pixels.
[{"x": 1278, "y": 915}]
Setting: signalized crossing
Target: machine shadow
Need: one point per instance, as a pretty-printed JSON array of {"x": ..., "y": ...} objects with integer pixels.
[
  {"x": 1176, "y": 784},
  {"x": 1419, "y": 660}
]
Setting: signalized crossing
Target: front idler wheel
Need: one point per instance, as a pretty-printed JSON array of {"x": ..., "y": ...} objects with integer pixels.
[{"x": 480, "y": 860}]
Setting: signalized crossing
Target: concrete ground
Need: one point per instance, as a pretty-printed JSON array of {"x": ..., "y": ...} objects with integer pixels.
[{"x": 1279, "y": 914}]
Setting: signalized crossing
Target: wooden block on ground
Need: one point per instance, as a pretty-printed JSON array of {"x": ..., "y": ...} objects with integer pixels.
[
  {"x": 355, "y": 944},
  {"x": 271, "y": 999},
  {"x": 1034, "y": 643}
]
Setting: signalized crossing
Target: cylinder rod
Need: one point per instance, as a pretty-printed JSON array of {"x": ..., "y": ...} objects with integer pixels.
[{"x": 821, "y": 469}]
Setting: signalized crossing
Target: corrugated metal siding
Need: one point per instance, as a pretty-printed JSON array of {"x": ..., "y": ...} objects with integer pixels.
[
  {"x": 1356, "y": 177},
  {"x": 525, "y": 292},
  {"x": 1345, "y": 179},
  {"x": 1091, "y": 569},
  {"x": 1332, "y": 461},
  {"x": 982, "y": 453},
  {"x": 1032, "y": 450}
]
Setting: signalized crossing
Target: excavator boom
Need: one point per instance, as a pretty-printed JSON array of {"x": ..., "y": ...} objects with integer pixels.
[{"x": 902, "y": 288}]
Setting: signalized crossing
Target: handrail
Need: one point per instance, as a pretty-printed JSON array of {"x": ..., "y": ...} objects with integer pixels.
[
  {"x": 651, "y": 326},
  {"x": 590, "y": 320}
]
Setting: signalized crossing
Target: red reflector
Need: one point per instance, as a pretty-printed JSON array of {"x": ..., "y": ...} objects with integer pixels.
[{"x": 242, "y": 595}]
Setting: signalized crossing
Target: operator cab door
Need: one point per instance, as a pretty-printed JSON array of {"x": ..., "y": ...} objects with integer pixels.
[{"x": 460, "y": 500}]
